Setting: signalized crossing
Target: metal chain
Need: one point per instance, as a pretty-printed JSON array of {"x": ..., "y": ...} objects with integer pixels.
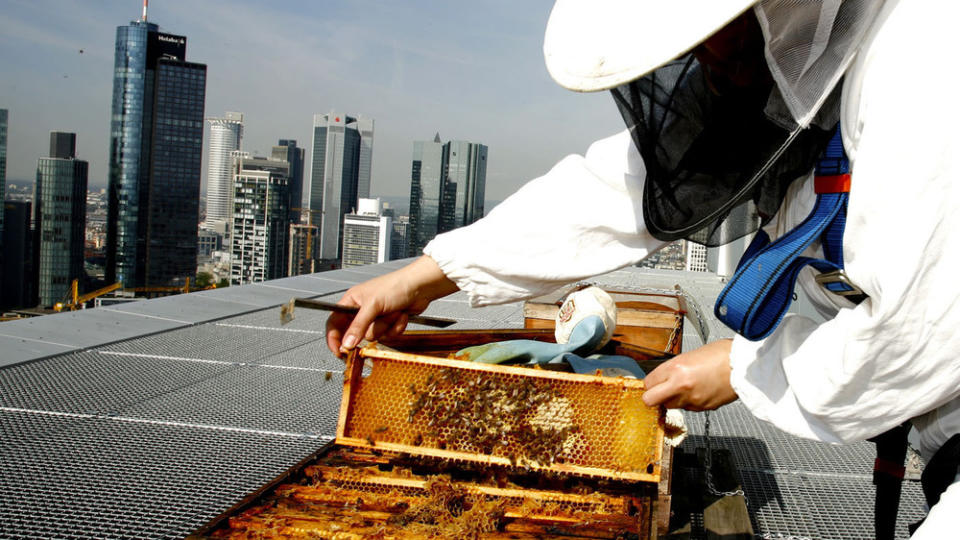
[
  {"x": 675, "y": 334},
  {"x": 708, "y": 471},
  {"x": 708, "y": 477}
]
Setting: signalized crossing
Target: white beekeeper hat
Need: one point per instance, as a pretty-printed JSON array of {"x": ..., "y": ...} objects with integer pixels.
[
  {"x": 600, "y": 44},
  {"x": 593, "y": 45}
]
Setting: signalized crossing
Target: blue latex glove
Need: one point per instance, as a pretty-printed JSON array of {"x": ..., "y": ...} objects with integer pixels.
[
  {"x": 609, "y": 365},
  {"x": 584, "y": 339}
]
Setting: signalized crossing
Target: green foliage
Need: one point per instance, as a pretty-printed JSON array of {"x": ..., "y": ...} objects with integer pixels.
[{"x": 203, "y": 280}]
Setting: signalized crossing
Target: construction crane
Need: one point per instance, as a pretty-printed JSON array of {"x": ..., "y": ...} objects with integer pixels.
[
  {"x": 310, "y": 223},
  {"x": 74, "y": 300},
  {"x": 170, "y": 289}
]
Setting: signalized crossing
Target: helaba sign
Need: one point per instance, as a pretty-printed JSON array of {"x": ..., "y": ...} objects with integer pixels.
[{"x": 168, "y": 38}]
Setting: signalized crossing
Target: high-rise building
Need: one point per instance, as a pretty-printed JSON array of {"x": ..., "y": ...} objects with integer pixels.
[
  {"x": 156, "y": 142},
  {"x": 287, "y": 150},
  {"x": 464, "y": 184},
  {"x": 18, "y": 288},
  {"x": 366, "y": 235},
  {"x": 304, "y": 245},
  {"x": 447, "y": 186},
  {"x": 3, "y": 168},
  {"x": 226, "y": 136},
  {"x": 339, "y": 176},
  {"x": 260, "y": 219},
  {"x": 426, "y": 181},
  {"x": 398, "y": 239},
  {"x": 60, "y": 215},
  {"x": 696, "y": 257}
]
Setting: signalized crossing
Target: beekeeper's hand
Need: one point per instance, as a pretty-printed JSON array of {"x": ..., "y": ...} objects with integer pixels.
[
  {"x": 385, "y": 303},
  {"x": 696, "y": 381}
]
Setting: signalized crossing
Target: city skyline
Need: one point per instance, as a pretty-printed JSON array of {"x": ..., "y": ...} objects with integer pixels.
[{"x": 418, "y": 70}]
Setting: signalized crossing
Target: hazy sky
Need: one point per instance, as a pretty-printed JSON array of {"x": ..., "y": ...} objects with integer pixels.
[{"x": 469, "y": 70}]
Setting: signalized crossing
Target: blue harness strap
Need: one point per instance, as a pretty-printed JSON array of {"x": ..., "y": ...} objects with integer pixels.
[{"x": 761, "y": 290}]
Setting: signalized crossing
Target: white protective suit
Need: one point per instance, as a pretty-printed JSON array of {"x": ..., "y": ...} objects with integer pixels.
[{"x": 869, "y": 367}]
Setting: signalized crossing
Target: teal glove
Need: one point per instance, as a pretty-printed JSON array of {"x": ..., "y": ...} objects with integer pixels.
[{"x": 584, "y": 339}]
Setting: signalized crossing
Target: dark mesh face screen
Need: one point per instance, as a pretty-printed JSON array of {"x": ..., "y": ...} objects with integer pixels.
[{"x": 718, "y": 163}]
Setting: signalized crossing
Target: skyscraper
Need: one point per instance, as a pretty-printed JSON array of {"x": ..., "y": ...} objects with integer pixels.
[
  {"x": 447, "y": 186},
  {"x": 398, "y": 239},
  {"x": 226, "y": 135},
  {"x": 340, "y": 174},
  {"x": 366, "y": 235},
  {"x": 287, "y": 150},
  {"x": 156, "y": 138},
  {"x": 260, "y": 219},
  {"x": 696, "y": 257},
  {"x": 60, "y": 206},
  {"x": 3, "y": 166},
  {"x": 17, "y": 287},
  {"x": 303, "y": 248},
  {"x": 426, "y": 182},
  {"x": 464, "y": 184}
]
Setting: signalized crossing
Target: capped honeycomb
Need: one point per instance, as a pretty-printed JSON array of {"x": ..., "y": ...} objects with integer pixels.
[{"x": 520, "y": 417}]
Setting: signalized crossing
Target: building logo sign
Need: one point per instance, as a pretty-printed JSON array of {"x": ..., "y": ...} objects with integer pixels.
[{"x": 176, "y": 40}]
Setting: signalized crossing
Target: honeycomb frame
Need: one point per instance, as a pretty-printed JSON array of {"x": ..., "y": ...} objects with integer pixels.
[{"x": 624, "y": 443}]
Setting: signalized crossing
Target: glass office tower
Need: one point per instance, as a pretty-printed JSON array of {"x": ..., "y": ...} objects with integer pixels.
[
  {"x": 17, "y": 286},
  {"x": 465, "y": 179},
  {"x": 447, "y": 188},
  {"x": 287, "y": 150},
  {"x": 425, "y": 184},
  {"x": 3, "y": 164},
  {"x": 339, "y": 176},
  {"x": 60, "y": 206},
  {"x": 156, "y": 134}
]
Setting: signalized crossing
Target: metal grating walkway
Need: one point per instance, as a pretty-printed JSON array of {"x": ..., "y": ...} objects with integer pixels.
[
  {"x": 155, "y": 436},
  {"x": 796, "y": 488}
]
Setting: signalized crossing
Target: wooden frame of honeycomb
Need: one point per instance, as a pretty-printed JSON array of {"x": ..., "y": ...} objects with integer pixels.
[{"x": 606, "y": 430}]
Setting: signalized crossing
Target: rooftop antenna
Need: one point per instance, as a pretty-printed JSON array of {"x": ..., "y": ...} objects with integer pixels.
[{"x": 143, "y": 18}]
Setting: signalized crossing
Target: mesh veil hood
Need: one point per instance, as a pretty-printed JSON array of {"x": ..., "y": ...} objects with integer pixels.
[{"x": 720, "y": 157}]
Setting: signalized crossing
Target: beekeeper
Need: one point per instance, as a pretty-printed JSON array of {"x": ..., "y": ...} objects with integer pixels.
[{"x": 728, "y": 105}]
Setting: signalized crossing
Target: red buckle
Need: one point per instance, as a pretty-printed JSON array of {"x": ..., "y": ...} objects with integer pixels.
[
  {"x": 889, "y": 468},
  {"x": 838, "y": 183}
]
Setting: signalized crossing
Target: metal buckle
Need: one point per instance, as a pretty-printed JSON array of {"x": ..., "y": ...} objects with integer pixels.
[{"x": 837, "y": 276}]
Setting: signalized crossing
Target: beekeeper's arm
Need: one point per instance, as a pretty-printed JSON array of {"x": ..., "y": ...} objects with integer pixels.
[{"x": 581, "y": 219}]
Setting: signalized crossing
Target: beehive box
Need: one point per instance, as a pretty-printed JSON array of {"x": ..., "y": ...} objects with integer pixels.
[
  {"x": 352, "y": 494},
  {"x": 392, "y": 475}
]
